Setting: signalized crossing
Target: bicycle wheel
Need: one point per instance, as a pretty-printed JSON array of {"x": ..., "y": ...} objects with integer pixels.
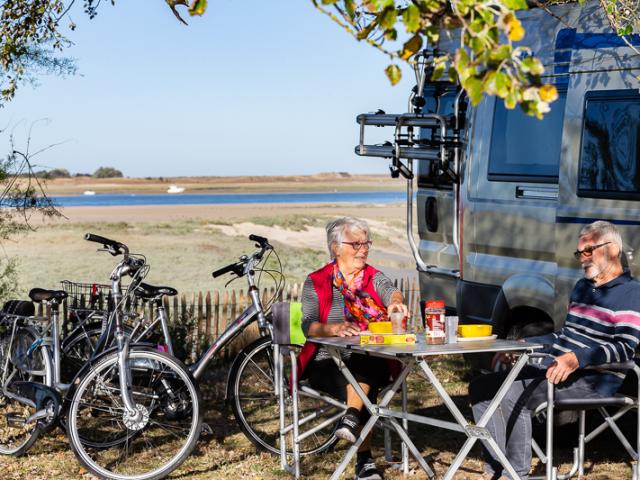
[
  {"x": 251, "y": 393},
  {"x": 17, "y": 436},
  {"x": 79, "y": 347},
  {"x": 147, "y": 448}
]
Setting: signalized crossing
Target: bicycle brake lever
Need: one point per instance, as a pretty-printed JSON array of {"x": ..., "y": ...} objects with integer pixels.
[
  {"x": 232, "y": 279},
  {"x": 106, "y": 249}
]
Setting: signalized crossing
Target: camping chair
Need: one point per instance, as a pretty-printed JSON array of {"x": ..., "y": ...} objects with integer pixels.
[
  {"x": 622, "y": 402},
  {"x": 287, "y": 338}
]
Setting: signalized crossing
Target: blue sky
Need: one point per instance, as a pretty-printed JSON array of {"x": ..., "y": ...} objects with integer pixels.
[{"x": 253, "y": 87}]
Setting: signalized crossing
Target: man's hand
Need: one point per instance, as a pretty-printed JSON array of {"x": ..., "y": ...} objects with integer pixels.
[
  {"x": 503, "y": 358},
  {"x": 345, "y": 329},
  {"x": 562, "y": 367}
]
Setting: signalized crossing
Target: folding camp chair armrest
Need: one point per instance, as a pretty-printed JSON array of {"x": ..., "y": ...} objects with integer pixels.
[{"x": 615, "y": 367}]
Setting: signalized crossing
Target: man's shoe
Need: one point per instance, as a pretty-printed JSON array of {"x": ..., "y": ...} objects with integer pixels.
[
  {"x": 367, "y": 470},
  {"x": 348, "y": 427}
]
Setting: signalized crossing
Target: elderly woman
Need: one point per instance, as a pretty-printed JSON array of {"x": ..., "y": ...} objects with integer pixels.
[{"x": 340, "y": 299}]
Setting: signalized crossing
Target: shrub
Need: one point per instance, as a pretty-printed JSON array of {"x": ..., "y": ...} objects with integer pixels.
[{"x": 107, "y": 172}]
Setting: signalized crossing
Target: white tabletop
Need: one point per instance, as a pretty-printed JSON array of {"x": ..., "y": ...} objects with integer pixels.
[{"x": 422, "y": 349}]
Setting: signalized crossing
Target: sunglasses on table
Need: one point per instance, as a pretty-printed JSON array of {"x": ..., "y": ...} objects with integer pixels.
[
  {"x": 588, "y": 250},
  {"x": 358, "y": 245}
]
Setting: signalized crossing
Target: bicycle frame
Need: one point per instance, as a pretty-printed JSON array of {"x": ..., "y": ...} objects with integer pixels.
[{"x": 237, "y": 326}]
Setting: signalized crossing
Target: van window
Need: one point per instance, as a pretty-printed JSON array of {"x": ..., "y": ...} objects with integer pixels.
[
  {"x": 439, "y": 100},
  {"x": 523, "y": 148},
  {"x": 610, "y": 149}
]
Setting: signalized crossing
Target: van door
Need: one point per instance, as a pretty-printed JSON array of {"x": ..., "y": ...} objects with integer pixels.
[
  {"x": 435, "y": 213},
  {"x": 600, "y": 171},
  {"x": 509, "y": 215}
]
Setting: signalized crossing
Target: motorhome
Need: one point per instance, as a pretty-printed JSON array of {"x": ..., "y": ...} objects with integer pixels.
[{"x": 501, "y": 196}]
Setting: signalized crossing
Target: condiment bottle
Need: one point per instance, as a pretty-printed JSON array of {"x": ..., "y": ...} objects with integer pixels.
[{"x": 434, "y": 322}]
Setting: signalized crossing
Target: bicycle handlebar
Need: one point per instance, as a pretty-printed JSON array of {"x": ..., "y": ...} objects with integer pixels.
[
  {"x": 239, "y": 267},
  {"x": 262, "y": 242},
  {"x": 115, "y": 248}
]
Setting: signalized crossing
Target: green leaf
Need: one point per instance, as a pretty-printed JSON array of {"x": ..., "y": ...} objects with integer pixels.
[
  {"x": 198, "y": 7},
  {"x": 411, "y": 18},
  {"x": 391, "y": 35},
  {"x": 394, "y": 74},
  {"x": 350, "y": 7},
  {"x": 438, "y": 72},
  {"x": 532, "y": 65},
  {"x": 329, "y": 2},
  {"x": 501, "y": 53},
  {"x": 411, "y": 46},
  {"x": 510, "y": 101},
  {"x": 473, "y": 86},
  {"x": 364, "y": 33},
  {"x": 387, "y": 18},
  {"x": 432, "y": 33},
  {"x": 515, "y": 4}
]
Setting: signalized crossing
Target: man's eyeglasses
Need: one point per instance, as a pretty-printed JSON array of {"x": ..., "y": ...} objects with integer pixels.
[
  {"x": 358, "y": 245},
  {"x": 588, "y": 251}
]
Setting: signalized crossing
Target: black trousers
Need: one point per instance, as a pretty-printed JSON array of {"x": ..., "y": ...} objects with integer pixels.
[{"x": 325, "y": 376}]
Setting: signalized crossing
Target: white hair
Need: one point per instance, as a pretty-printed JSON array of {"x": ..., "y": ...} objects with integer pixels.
[
  {"x": 337, "y": 227},
  {"x": 602, "y": 230}
]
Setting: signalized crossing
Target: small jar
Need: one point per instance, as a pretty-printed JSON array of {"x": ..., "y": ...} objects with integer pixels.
[{"x": 435, "y": 326}]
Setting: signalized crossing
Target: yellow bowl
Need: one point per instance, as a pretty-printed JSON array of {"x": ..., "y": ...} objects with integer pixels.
[
  {"x": 380, "y": 327},
  {"x": 478, "y": 330}
]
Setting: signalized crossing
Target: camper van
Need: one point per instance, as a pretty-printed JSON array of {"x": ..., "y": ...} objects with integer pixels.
[{"x": 501, "y": 196}]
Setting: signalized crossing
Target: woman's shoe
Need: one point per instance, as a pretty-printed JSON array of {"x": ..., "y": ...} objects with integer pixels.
[
  {"x": 348, "y": 426},
  {"x": 367, "y": 470}
]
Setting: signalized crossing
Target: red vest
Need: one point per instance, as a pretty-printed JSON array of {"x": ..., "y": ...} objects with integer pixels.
[{"x": 323, "y": 284}]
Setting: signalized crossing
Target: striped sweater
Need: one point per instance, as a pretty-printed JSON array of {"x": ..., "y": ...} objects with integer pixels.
[{"x": 602, "y": 326}]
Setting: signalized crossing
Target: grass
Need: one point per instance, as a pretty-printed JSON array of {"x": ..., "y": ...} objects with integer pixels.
[
  {"x": 227, "y": 454},
  {"x": 182, "y": 254}
]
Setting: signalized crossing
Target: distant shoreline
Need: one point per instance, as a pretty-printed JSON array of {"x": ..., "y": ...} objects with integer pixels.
[{"x": 318, "y": 183}]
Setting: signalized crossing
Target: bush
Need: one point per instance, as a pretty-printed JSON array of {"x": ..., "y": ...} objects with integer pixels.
[
  {"x": 8, "y": 279},
  {"x": 107, "y": 172}
]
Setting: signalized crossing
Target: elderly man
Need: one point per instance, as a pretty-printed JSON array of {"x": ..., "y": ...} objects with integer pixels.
[{"x": 602, "y": 326}]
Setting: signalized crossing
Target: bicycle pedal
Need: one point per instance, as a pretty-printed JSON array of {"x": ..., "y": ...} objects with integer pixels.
[
  {"x": 14, "y": 420},
  {"x": 206, "y": 429}
]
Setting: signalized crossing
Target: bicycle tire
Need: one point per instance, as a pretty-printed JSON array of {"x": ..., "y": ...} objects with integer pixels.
[
  {"x": 79, "y": 347},
  {"x": 164, "y": 391},
  {"x": 16, "y": 440},
  {"x": 255, "y": 407}
]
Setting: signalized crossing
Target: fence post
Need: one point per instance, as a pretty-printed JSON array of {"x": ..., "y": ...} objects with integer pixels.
[
  {"x": 207, "y": 315},
  {"x": 216, "y": 312}
]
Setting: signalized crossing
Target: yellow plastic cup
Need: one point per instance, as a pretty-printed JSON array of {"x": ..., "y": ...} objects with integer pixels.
[{"x": 380, "y": 327}]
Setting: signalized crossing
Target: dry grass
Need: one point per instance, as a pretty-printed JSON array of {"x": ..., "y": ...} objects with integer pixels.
[{"x": 228, "y": 455}]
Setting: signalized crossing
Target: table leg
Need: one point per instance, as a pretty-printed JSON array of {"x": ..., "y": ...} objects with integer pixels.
[
  {"x": 478, "y": 431},
  {"x": 374, "y": 410}
]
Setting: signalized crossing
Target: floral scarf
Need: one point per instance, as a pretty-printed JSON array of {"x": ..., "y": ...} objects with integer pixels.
[{"x": 359, "y": 307}]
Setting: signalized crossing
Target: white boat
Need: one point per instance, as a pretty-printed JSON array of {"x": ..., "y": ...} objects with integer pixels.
[
  {"x": 175, "y": 189},
  {"x": 88, "y": 192}
]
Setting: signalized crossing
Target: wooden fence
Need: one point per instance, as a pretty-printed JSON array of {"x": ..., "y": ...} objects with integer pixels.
[{"x": 200, "y": 318}]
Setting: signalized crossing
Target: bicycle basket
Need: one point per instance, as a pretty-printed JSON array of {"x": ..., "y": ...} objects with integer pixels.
[{"x": 87, "y": 296}]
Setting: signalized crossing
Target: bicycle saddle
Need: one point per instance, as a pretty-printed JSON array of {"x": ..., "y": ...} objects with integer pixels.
[
  {"x": 145, "y": 290},
  {"x": 41, "y": 295}
]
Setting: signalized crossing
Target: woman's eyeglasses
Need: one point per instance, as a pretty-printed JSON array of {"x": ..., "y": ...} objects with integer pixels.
[
  {"x": 358, "y": 245},
  {"x": 588, "y": 251}
]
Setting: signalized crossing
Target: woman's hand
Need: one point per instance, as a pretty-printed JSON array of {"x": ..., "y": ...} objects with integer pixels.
[
  {"x": 398, "y": 307},
  {"x": 345, "y": 329}
]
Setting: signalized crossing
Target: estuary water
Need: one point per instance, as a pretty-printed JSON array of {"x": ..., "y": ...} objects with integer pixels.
[{"x": 104, "y": 200}]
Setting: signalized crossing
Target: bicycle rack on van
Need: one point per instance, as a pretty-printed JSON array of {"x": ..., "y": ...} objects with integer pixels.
[{"x": 408, "y": 146}]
